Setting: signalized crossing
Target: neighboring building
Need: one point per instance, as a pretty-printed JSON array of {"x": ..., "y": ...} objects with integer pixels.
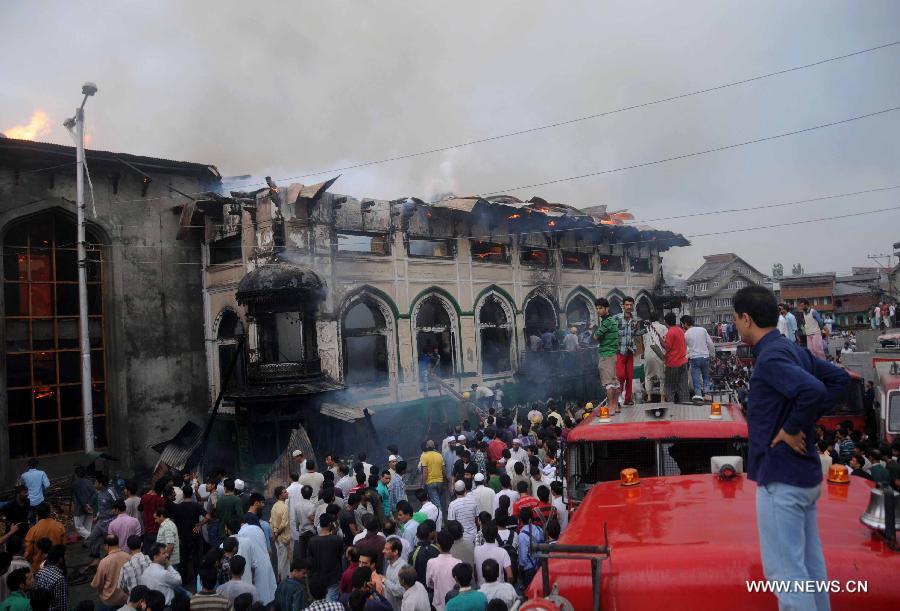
[
  {"x": 344, "y": 299},
  {"x": 817, "y": 288},
  {"x": 144, "y": 290},
  {"x": 712, "y": 286}
]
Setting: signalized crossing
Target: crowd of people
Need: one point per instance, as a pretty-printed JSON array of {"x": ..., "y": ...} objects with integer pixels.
[
  {"x": 864, "y": 456},
  {"x": 344, "y": 535}
]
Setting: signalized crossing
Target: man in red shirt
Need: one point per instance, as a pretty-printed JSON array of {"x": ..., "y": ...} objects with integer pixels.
[
  {"x": 676, "y": 378},
  {"x": 525, "y": 499},
  {"x": 150, "y": 502},
  {"x": 495, "y": 447}
]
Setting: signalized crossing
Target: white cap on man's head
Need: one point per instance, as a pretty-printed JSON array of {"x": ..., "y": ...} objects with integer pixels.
[
  {"x": 392, "y": 458},
  {"x": 516, "y": 440},
  {"x": 479, "y": 477},
  {"x": 238, "y": 484},
  {"x": 461, "y": 438},
  {"x": 459, "y": 486},
  {"x": 296, "y": 453}
]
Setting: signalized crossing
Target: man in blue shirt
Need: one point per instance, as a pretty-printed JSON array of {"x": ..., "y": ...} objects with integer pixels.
[
  {"x": 529, "y": 533},
  {"x": 36, "y": 481},
  {"x": 789, "y": 391}
]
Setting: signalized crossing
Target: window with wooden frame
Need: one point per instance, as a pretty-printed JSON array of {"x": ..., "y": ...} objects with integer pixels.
[{"x": 43, "y": 359}]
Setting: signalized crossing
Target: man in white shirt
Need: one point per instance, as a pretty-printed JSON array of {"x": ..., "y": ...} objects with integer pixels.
[
  {"x": 562, "y": 512},
  {"x": 293, "y": 492},
  {"x": 484, "y": 397},
  {"x": 312, "y": 478},
  {"x": 464, "y": 510},
  {"x": 160, "y": 575},
  {"x": 700, "y": 348},
  {"x": 484, "y": 496},
  {"x": 492, "y": 587},
  {"x": 782, "y": 322},
  {"x": 654, "y": 368},
  {"x": 516, "y": 454},
  {"x": 490, "y": 550}
]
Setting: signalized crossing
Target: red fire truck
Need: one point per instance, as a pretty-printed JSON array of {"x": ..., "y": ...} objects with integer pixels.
[
  {"x": 665, "y": 439},
  {"x": 664, "y": 532},
  {"x": 887, "y": 393},
  {"x": 849, "y": 407}
]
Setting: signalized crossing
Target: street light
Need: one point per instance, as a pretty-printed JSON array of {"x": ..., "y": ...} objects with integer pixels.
[{"x": 87, "y": 407}]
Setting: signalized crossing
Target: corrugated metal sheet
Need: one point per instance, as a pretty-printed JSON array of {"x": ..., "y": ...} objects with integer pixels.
[
  {"x": 314, "y": 191},
  {"x": 347, "y": 413},
  {"x": 463, "y": 204},
  {"x": 178, "y": 451}
]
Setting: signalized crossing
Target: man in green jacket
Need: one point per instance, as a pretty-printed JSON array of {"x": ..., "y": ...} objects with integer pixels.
[
  {"x": 607, "y": 336},
  {"x": 19, "y": 582}
]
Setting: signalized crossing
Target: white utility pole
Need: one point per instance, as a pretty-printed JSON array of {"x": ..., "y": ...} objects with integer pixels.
[{"x": 87, "y": 406}]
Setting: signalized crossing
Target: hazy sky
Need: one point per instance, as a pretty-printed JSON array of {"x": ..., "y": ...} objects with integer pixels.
[{"x": 286, "y": 88}]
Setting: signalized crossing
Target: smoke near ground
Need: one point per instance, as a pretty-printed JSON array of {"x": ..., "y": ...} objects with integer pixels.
[{"x": 290, "y": 88}]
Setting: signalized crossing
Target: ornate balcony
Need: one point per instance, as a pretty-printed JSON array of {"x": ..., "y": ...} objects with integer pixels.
[{"x": 280, "y": 373}]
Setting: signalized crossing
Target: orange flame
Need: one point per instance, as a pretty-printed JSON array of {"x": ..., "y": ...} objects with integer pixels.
[
  {"x": 37, "y": 126},
  {"x": 514, "y": 216},
  {"x": 551, "y": 223}
]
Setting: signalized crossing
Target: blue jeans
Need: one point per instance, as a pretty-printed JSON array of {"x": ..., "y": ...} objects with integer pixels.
[
  {"x": 334, "y": 592},
  {"x": 789, "y": 541},
  {"x": 700, "y": 369},
  {"x": 435, "y": 493}
]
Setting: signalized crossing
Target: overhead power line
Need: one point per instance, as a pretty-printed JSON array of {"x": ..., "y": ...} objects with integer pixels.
[
  {"x": 546, "y": 126},
  {"x": 688, "y": 155}
]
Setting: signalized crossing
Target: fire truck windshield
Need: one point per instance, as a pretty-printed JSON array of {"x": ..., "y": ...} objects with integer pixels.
[{"x": 601, "y": 461}]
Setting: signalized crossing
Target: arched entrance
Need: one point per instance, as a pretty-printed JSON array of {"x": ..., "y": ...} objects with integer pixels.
[
  {"x": 540, "y": 316},
  {"x": 435, "y": 336},
  {"x": 364, "y": 331},
  {"x": 578, "y": 313},
  {"x": 495, "y": 335}
]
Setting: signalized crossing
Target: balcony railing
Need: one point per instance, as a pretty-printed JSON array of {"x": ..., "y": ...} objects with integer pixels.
[{"x": 275, "y": 373}]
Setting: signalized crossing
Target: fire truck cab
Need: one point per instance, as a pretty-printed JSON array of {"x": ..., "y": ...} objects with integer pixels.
[
  {"x": 887, "y": 369},
  {"x": 657, "y": 439}
]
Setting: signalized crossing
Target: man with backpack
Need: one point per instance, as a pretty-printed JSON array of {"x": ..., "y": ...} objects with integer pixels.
[{"x": 529, "y": 534}]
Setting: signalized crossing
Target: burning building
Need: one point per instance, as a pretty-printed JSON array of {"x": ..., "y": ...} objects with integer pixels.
[
  {"x": 323, "y": 311},
  {"x": 148, "y": 371}
]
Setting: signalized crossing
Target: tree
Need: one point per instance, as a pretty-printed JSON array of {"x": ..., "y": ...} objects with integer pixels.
[
  {"x": 797, "y": 269},
  {"x": 777, "y": 270}
]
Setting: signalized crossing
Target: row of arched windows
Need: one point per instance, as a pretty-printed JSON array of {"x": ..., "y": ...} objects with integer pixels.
[{"x": 368, "y": 332}]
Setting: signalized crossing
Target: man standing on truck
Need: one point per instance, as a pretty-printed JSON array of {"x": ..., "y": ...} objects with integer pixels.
[
  {"x": 630, "y": 343},
  {"x": 607, "y": 337},
  {"x": 790, "y": 390}
]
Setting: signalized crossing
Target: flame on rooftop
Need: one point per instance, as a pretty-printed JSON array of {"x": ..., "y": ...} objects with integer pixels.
[{"x": 38, "y": 126}]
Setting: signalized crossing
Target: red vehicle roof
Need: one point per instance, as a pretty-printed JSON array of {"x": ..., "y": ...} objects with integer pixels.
[
  {"x": 685, "y": 541},
  {"x": 682, "y": 421}
]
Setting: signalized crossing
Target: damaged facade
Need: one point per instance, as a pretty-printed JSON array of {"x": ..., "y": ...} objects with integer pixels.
[
  {"x": 344, "y": 299},
  {"x": 144, "y": 289}
]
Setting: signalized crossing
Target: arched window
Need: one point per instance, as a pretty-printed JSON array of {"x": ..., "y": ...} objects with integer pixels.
[
  {"x": 495, "y": 333},
  {"x": 43, "y": 359},
  {"x": 643, "y": 307},
  {"x": 540, "y": 316},
  {"x": 615, "y": 305},
  {"x": 578, "y": 313},
  {"x": 434, "y": 337},
  {"x": 365, "y": 333}
]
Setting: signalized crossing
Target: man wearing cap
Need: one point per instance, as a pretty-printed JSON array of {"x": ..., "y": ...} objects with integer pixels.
[
  {"x": 482, "y": 495},
  {"x": 432, "y": 465},
  {"x": 516, "y": 454},
  {"x": 464, "y": 510},
  {"x": 297, "y": 456}
]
